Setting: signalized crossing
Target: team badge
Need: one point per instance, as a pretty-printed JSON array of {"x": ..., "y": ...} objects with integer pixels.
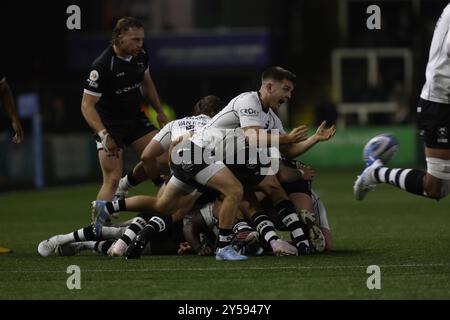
[
  {"x": 93, "y": 75},
  {"x": 442, "y": 134}
]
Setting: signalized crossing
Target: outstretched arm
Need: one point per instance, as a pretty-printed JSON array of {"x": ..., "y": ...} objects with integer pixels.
[
  {"x": 265, "y": 138},
  {"x": 297, "y": 149}
]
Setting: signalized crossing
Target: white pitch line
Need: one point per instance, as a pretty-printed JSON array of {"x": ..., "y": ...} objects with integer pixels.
[{"x": 430, "y": 265}]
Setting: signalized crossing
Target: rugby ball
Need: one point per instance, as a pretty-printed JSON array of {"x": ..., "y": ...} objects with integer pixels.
[{"x": 383, "y": 146}]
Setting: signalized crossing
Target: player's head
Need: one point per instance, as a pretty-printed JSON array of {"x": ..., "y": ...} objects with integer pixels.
[
  {"x": 209, "y": 105},
  {"x": 128, "y": 36},
  {"x": 277, "y": 85}
]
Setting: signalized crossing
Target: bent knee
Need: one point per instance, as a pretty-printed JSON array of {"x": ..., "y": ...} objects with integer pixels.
[
  {"x": 112, "y": 179},
  {"x": 235, "y": 192}
]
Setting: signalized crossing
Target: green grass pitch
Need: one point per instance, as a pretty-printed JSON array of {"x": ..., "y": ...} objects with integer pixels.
[{"x": 406, "y": 236}]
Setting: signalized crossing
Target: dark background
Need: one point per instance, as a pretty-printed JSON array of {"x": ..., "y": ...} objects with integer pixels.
[{"x": 303, "y": 33}]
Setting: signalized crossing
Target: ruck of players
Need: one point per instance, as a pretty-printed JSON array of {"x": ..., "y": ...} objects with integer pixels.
[{"x": 230, "y": 182}]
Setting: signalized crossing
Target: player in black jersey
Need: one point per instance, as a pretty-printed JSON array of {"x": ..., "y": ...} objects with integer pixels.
[{"x": 112, "y": 98}]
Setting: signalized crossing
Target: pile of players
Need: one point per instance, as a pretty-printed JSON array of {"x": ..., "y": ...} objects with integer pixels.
[{"x": 228, "y": 183}]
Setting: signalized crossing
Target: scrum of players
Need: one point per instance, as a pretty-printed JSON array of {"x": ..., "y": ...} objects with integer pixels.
[{"x": 215, "y": 204}]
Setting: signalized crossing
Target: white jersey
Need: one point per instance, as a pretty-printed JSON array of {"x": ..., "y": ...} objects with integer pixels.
[
  {"x": 437, "y": 85},
  {"x": 243, "y": 111},
  {"x": 207, "y": 213},
  {"x": 175, "y": 129}
]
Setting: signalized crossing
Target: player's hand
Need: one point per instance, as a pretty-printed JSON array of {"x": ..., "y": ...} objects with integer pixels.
[
  {"x": 323, "y": 134},
  {"x": 184, "y": 248},
  {"x": 162, "y": 119},
  {"x": 298, "y": 134},
  {"x": 112, "y": 147},
  {"x": 109, "y": 145},
  {"x": 18, "y": 137}
]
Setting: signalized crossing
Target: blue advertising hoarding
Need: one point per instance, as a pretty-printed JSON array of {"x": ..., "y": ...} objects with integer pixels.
[{"x": 243, "y": 49}]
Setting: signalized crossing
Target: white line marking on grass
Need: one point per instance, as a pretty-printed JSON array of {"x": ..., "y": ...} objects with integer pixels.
[{"x": 429, "y": 265}]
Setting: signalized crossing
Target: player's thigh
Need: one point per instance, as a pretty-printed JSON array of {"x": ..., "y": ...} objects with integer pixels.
[
  {"x": 171, "y": 197},
  {"x": 268, "y": 185},
  {"x": 288, "y": 174},
  {"x": 141, "y": 143},
  {"x": 226, "y": 183},
  {"x": 443, "y": 154},
  {"x": 111, "y": 165}
]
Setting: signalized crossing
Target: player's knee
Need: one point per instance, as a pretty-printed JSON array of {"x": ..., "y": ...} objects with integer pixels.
[
  {"x": 234, "y": 192},
  {"x": 437, "y": 182},
  {"x": 112, "y": 180}
]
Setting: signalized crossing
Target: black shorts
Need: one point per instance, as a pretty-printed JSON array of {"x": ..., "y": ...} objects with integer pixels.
[
  {"x": 433, "y": 123},
  {"x": 247, "y": 174},
  {"x": 125, "y": 133}
]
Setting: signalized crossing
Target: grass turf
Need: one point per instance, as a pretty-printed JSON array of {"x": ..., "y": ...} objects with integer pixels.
[{"x": 407, "y": 236}]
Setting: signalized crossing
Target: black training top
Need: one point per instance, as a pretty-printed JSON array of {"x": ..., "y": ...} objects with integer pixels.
[{"x": 117, "y": 81}]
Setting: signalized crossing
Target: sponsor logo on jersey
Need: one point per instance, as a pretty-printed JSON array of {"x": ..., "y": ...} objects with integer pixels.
[
  {"x": 93, "y": 84},
  {"x": 249, "y": 112},
  {"x": 126, "y": 89}
]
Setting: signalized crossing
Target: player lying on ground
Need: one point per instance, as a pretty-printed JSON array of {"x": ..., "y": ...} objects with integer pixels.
[{"x": 199, "y": 228}]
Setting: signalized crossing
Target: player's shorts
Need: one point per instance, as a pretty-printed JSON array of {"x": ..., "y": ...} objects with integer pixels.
[
  {"x": 190, "y": 169},
  {"x": 433, "y": 122},
  {"x": 208, "y": 195},
  {"x": 125, "y": 133},
  {"x": 249, "y": 173}
]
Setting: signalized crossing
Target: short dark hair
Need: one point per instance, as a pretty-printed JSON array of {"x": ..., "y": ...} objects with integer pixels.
[
  {"x": 123, "y": 25},
  {"x": 208, "y": 105},
  {"x": 278, "y": 73}
]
